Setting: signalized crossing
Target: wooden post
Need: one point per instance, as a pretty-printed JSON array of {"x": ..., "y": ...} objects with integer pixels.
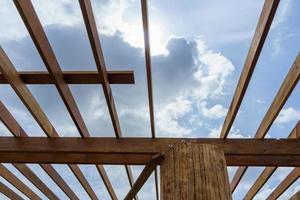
[{"x": 194, "y": 171}]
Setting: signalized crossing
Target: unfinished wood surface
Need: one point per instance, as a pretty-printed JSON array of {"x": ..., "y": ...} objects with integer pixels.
[
  {"x": 268, "y": 171},
  {"x": 9, "y": 121},
  {"x": 12, "y": 76},
  {"x": 145, "y": 18},
  {"x": 10, "y": 73},
  {"x": 261, "y": 32},
  {"x": 28, "y": 173},
  {"x": 296, "y": 196},
  {"x": 42, "y": 44},
  {"x": 143, "y": 177},
  {"x": 279, "y": 100},
  {"x": 194, "y": 171},
  {"x": 12, "y": 179},
  {"x": 91, "y": 27},
  {"x": 74, "y": 77},
  {"x": 139, "y": 151},
  {"x": 9, "y": 192},
  {"x": 106, "y": 182},
  {"x": 285, "y": 184}
]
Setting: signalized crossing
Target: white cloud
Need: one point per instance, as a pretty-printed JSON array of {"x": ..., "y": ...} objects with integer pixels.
[
  {"x": 287, "y": 115},
  {"x": 168, "y": 117},
  {"x": 234, "y": 133},
  {"x": 215, "y": 112}
]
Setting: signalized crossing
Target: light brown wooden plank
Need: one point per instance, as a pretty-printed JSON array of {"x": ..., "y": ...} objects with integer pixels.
[
  {"x": 9, "y": 192},
  {"x": 11, "y": 75},
  {"x": 12, "y": 179},
  {"x": 268, "y": 171},
  {"x": 74, "y": 77},
  {"x": 145, "y": 15},
  {"x": 90, "y": 24},
  {"x": 86, "y": 186},
  {"x": 285, "y": 184},
  {"x": 9, "y": 121},
  {"x": 106, "y": 182},
  {"x": 268, "y": 152},
  {"x": 27, "y": 98},
  {"x": 257, "y": 43},
  {"x": 281, "y": 97},
  {"x": 28, "y": 173},
  {"x": 296, "y": 196},
  {"x": 42, "y": 44},
  {"x": 143, "y": 177}
]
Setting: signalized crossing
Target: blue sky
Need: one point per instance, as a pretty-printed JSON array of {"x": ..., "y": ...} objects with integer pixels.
[{"x": 198, "y": 51}]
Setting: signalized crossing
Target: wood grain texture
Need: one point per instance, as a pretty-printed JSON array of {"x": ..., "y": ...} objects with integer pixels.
[
  {"x": 9, "y": 121},
  {"x": 194, "y": 171},
  {"x": 12, "y": 76},
  {"x": 74, "y": 77},
  {"x": 278, "y": 102},
  {"x": 285, "y": 184},
  {"x": 42, "y": 44},
  {"x": 268, "y": 171},
  {"x": 90, "y": 24},
  {"x": 261, "y": 32},
  {"x": 146, "y": 30},
  {"x": 12, "y": 179},
  {"x": 296, "y": 196},
  {"x": 10, "y": 73},
  {"x": 9, "y": 192},
  {"x": 143, "y": 177}
]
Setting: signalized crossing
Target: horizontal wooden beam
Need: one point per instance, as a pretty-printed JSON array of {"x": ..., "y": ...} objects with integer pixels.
[
  {"x": 139, "y": 151},
  {"x": 74, "y": 77}
]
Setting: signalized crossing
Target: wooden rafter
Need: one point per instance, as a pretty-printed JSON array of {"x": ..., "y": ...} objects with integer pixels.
[
  {"x": 91, "y": 27},
  {"x": 10, "y": 73},
  {"x": 12, "y": 179},
  {"x": 281, "y": 97},
  {"x": 285, "y": 184},
  {"x": 9, "y": 121},
  {"x": 268, "y": 171},
  {"x": 9, "y": 192},
  {"x": 145, "y": 19},
  {"x": 296, "y": 196},
  {"x": 143, "y": 177},
  {"x": 74, "y": 77},
  {"x": 39, "y": 37},
  {"x": 257, "y": 43}
]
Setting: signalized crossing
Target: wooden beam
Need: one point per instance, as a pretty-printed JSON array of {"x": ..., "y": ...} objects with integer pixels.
[
  {"x": 28, "y": 173},
  {"x": 73, "y": 77},
  {"x": 10, "y": 73},
  {"x": 106, "y": 182},
  {"x": 9, "y": 192},
  {"x": 145, "y": 18},
  {"x": 145, "y": 15},
  {"x": 90, "y": 24},
  {"x": 143, "y": 177},
  {"x": 281, "y": 97},
  {"x": 91, "y": 27},
  {"x": 139, "y": 151},
  {"x": 42, "y": 44},
  {"x": 9, "y": 121},
  {"x": 12, "y": 179},
  {"x": 257, "y": 43},
  {"x": 194, "y": 171},
  {"x": 296, "y": 196},
  {"x": 285, "y": 184},
  {"x": 268, "y": 171}
]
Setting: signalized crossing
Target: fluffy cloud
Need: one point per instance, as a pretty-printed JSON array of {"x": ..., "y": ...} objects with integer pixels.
[
  {"x": 287, "y": 115},
  {"x": 214, "y": 112}
]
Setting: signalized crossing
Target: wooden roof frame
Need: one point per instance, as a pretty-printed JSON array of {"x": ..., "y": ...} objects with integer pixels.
[{"x": 146, "y": 151}]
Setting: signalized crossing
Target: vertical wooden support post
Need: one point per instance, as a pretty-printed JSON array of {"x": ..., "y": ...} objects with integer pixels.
[{"x": 194, "y": 171}]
